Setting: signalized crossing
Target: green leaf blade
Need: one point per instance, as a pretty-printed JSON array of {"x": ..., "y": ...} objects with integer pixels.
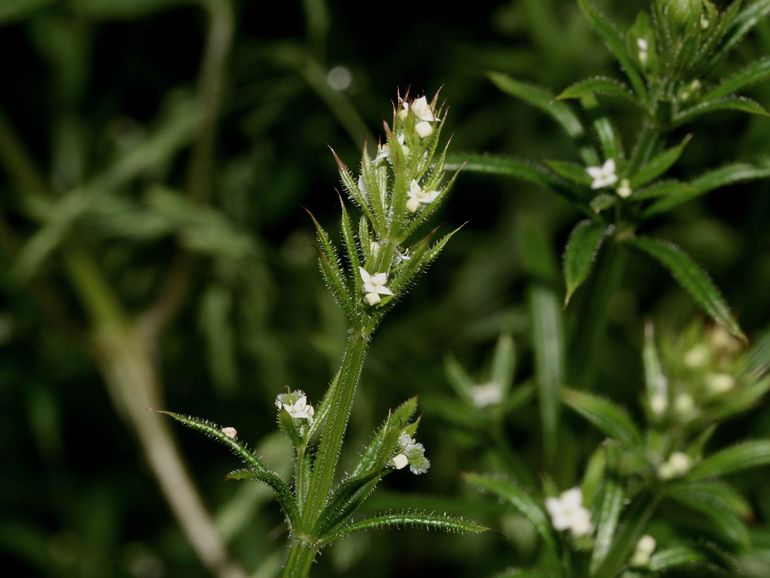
[
  {"x": 692, "y": 278},
  {"x": 583, "y": 246},
  {"x": 610, "y": 419},
  {"x": 743, "y": 456}
]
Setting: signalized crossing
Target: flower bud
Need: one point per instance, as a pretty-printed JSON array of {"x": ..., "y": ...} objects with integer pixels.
[{"x": 682, "y": 13}]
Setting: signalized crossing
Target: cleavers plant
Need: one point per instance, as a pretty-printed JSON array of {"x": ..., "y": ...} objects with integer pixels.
[{"x": 397, "y": 191}]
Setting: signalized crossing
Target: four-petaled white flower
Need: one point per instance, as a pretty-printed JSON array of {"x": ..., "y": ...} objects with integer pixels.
[
  {"x": 603, "y": 176},
  {"x": 567, "y": 513},
  {"x": 487, "y": 394},
  {"x": 410, "y": 453},
  {"x": 383, "y": 150},
  {"x": 424, "y": 115},
  {"x": 374, "y": 286},
  {"x": 230, "y": 432},
  {"x": 300, "y": 409},
  {"x": 418, "y": 196},
  {"x": 643, "y": 45}
]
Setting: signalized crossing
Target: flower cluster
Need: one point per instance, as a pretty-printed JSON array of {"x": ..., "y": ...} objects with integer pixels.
[
  {"x": 295, "y": 404},
  {"x": 410, "y": 453},
  {"x": 643, "y": 552},
  {"x": 677, "y": 465},
  {"x": 567, "y": 513}
]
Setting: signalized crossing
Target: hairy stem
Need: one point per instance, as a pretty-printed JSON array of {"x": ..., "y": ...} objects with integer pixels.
[
  {"x": 300, "y": 560},
  {"x": 334, "y": 430}
]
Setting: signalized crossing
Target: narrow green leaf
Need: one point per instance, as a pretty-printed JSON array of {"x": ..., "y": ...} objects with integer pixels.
[
  {"x": 459, "y": 379},
  {"x": 690, "y": 276},
  {"x": 723, "y": 521},
  {"x": 599, "y": 85},
  {"x": 658, "y": 165},
  {"x": 332, "y": 271},
  {"x": 571, "y": 171},
  {"x": 542, "y": 99},
  {"x": 743, "y": 456},
  {"x": 502, "y": 166},
  {"x": 727, "y": 175},
  {"x": 256, "y": 469},
  {"x": 613, "y": 39},
  {"x": 722, "y": 492},
  {"x": 756, "y": 72},
  {"x": 749, "y": 17},
  {"x": 655, "y": 378},
  {"x": 609, "y": 137},
  {"x": 548, "y": 344},
  {"x": 351, "y": 248},
  {"x": 610, "y": 419},
  {"x": 670, "y": 558},
  {"x": 607, "y": 521},
  {"x": 583, "y": 246},
  {"x": 408, "y": 519},
  {"x": 345, "y": 499},
  {"x": 636, "y": 520},
  {"x": 661, "y": 189},
  {"x": 526, "y": 506},
  {"x": 736, "y": 103},
  {"x": 504, "y": 363}
]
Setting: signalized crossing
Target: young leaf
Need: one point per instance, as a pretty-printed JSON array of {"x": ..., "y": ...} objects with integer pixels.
[
  {"x": 607, "y": 521},
  {"x": 661, "y": 189},
  {"x": 332, "y": 272},
  {"x": 692, "y": 278},
  {"x": 256, "y": 469},
  {"x": 598, "y": 85},
  {"x": 737, "y": 103},
  {"x": 582, "y": 248},
  {"x": 658, "y": 165},
  {"x": 414, "y": 519},
  {"x": 283, "y": 492},
  {"x": 503, "y": 166},
  {"x": 609, "y": 418},
  {"x": 613, "y": 39},
  {"x": 743, "y": 456},
  {"x": 542, "y": 99},
  {"x": 351, "y": 248},
  {"x": 756, "y": 72},
  {"x": 525, "y": 505},
  {"x": 571, "y": 171},
  {"x": 655, "y": 378},
  {"x": 345, "y": 500},
  {"x": 741, "y": 25},
  {"x": 459, "y": 379}
]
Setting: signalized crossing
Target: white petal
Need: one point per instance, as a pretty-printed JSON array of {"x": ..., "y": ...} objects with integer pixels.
[
  {"x": 572, "y": 498},
  {"x": 609, "y": 166},
  {"x": 364, "y": 275},
  {"x": 594, "y": 172},
  {"x": 380, "y": 278},
  {"x": 581, "y": 523},
  {"x": 414, "y": 188},
  {"x": 646, "y": 544},
  {"x": 384, "y": 291},
  {"x": 422, "y": 110},
  {"x": 554, "y": 507},
  {"x": 230, "y": 432},
  {"x": 423, "y": 128},
  {"x": 412, "y": 205},
  {"x": 400, "y": 461},
  {"x": 372, "y": 298}
]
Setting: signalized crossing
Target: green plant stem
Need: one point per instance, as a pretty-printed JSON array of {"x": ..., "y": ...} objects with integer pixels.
[
  {"x": 300, "y": 560},
  {"x": 334, "y": 429}
]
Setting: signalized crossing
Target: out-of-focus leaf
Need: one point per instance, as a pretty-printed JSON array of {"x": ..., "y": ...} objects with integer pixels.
[
  {"x": 756, "y": 72},
  {"x": 661, "y": 189},
  {"x": 123, "y": 9},
  {"x": 743, "y": 456},
  {"x": 582, "y": 248},
  {"x": 14, "y": 10},
  {"x": 747, "y": 19},
  {"x": 607, "y": 518},
  {"x": 542, "y": 99},
  {"x": 692, "y": 278},
  {"x": 658, "y": 165},
  {"x": 609, "y": 418},
  {"x": 504, "y": 363},
  {"x": 723, "y": 176},
  {"x": 670, "y": 558},
  {"x": 216, "y": 322},
  {"x": 598, "y": 85},
  {"x": 723, "y": 520},
  {"x": 631, "y": 530},
  {"x": 502, "y": 166},
  {"x": 736, "y": 103},
  {"x": 527, "y": 506},
  {"x": 655, "y": 378},
  {"x": 571, "y": 171},
  {"x": 613, "y": 39}
]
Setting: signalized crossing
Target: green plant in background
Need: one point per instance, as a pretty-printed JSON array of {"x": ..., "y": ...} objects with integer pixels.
[{"x": 397, "y": 191}]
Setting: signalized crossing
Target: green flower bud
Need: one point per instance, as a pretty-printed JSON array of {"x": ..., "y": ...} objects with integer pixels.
[{"x": 682, "y": 13}]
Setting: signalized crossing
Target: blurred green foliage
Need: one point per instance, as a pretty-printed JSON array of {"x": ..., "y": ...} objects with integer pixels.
[{"x": 102, "y": 95}]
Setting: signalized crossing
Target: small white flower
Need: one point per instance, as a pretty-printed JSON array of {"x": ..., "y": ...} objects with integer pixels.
[
  {"x": 383, "y": 150},
  {"x": 644, "y": 549},
  {"x": 718, "y": 383},
  {"x": 624, "y": 190},
  {"x": 487, "y": 394},
  {"x": 567, "y": 513},
  {"x": 422, "y": 110},
  {"x": 704, "y": 22},
  {"x": 300, "y": 409},
  {"x": 642, "y": 44},
  {"x": 230, "y": 432},
  {"x": 603, "y": 176},
  {"x": 400, "y": 461},
  {"x": 374, "y": 286},
  {"x": 418, "y": 196},
  {"x": 404, "y": 111},
  {"x": 400, "y": 256},
  {"x": 677, "y": 465},
  {"x": 659, "y": 403},
  {"x": 410, "y": 453}
]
